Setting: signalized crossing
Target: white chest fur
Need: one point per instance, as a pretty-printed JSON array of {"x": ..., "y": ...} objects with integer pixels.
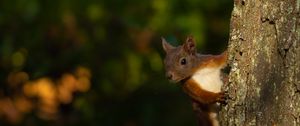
[{"x": 209, "y": 79}]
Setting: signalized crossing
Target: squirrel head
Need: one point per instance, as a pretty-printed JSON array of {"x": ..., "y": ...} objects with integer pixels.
[{"x": 179, "y": 61}]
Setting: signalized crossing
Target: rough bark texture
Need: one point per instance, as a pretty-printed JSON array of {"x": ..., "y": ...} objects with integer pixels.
[{"x": 264, "y": 81}]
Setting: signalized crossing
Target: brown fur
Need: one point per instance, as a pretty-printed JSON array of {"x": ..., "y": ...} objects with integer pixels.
[
  {"x": 200, "y": 95},
  {"x": 212, "y": 61},
  {"x": 203, "y": 100}
]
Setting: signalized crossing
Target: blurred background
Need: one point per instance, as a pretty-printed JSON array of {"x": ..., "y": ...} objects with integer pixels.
[{"x": 99, "y": 62}]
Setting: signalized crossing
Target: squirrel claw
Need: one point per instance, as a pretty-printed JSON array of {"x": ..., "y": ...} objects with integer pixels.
[{"x": 223, "y": 97}]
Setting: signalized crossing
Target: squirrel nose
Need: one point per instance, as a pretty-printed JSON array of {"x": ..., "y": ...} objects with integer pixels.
[{"x": 169, "y": 75}]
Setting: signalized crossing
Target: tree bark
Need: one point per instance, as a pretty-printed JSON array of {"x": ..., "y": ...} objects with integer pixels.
[{"x": 264, "y": 80}]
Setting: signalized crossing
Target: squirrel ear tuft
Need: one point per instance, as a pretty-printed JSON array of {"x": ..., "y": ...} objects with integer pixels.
[
  {"x": 190, "y": 45},
  {"x": 166, "y": 46}
]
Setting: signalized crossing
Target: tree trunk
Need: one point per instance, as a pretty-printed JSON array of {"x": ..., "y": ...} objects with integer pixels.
[{"x": 264, "y": 80}]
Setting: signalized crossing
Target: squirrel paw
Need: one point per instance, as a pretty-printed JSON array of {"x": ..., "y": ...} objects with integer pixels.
[{"x": 222, "y": 97}]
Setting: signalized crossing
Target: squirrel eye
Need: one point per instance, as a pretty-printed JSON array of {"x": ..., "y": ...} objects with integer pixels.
[{"x": 183, "y": 61}]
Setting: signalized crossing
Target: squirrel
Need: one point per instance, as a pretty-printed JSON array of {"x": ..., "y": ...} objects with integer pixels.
[{"x": 200, "y": 76}]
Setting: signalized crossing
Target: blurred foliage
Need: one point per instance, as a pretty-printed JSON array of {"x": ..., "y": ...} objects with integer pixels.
[{"x": 99, "y": 62}]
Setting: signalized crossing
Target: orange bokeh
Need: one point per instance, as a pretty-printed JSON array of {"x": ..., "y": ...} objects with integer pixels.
[{"x": 43, "y": 94}]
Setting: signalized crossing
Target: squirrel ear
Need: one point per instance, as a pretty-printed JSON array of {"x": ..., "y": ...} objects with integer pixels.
[
  {"x": 167, "y": 47},
  {"x": 190, "y": 45}
]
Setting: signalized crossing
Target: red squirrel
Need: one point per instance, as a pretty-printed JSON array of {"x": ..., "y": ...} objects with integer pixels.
[{"x": 200, "y": 76}]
